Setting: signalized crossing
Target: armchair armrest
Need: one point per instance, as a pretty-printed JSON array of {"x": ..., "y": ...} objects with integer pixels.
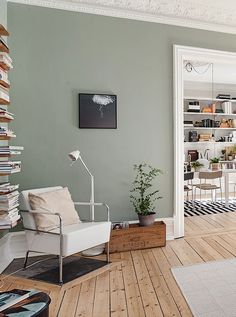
[
  {"x": 33, "y": 212},
  {"x": 95, "y": 204}
]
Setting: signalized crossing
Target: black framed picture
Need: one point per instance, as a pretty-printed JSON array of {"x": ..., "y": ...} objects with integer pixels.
[{"x": 97, "y": 111}]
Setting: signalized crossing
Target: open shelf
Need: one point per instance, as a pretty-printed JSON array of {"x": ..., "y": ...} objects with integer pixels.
[
  {"x": 210, "y": 114},
  {"x": 208, "y": 99},
  {"x": 203, "y": 128},
  {"x": 3, "y": 31},
  {"x": 211, "y": 142}
]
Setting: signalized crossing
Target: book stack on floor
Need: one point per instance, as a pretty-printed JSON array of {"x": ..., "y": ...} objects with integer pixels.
[
  {"x": 9, "y": 205},
  {"x": 9, "y": 167}
]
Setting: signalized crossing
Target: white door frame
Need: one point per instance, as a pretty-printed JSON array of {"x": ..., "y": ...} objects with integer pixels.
[{"x": 182, "y": 53}]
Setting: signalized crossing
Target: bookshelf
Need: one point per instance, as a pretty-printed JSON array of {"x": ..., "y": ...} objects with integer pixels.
[{"x": 8, "y": 193}]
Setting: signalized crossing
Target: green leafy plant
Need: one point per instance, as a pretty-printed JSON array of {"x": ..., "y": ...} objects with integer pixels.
[
  {"x": 215, "y": 160},
  {"x": 196, "y": 165},
  {"x": 142, "y": 196}
]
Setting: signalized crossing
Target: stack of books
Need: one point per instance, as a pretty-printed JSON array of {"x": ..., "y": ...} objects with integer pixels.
[
  {"x": 4, "y": 132},
  {"x": 9, "y": 205},
  {"x": 4, "y": 95},
  {"x": 10, "y": 167},
  {"x": 5, "y": 61},
  {"x": 9, "y": 150},
  {"x": 223, "y": 96},
  {"x": 6, "y": 116},
  {"x": 194, "y": 106}
]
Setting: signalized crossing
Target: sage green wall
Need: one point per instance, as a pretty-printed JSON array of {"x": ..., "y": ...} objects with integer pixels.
[
  {"x": 58, "y": 54},
  {"x": 3, "y": 12}
]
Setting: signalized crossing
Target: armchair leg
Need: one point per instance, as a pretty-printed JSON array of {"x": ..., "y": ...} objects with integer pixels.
[
  {"x": 60, "y": 270},
  {"x": 108, "y": 252},
  {"x": 26, "y": 259}
]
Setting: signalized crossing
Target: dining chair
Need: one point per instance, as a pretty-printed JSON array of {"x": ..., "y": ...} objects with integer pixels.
[
  {"x": 209, "y": 186},
  {"x": 188, "y": 177}
]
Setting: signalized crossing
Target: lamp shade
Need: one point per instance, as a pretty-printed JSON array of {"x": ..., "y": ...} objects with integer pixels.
[{"x": 74, "y": 155}]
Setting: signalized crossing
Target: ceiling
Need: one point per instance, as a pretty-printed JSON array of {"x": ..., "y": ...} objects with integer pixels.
[{"x": 215, "y": 15}]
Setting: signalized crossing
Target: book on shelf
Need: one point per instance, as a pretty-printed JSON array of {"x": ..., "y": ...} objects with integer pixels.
[
  {"x": 5, "y": 132},
  {"x": 4, "y": 94},
  {"x": 11, "y": 147},
  {"x": 9, "y": 220},
  {"x": 9, "y": 195},
  {"x": 12, "y": 297},
  {"x": 4, "y": 78},
  {"x": 6, "y": 114},
  {"x": 8, "y": 189},
  {"x": 10, "y": 213},
  {"x": 5, "y": 61}
]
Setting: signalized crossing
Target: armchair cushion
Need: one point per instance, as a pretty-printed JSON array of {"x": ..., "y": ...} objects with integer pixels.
[{"x": 58, "y": 201}]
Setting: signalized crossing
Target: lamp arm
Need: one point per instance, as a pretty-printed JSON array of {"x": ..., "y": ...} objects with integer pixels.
[{"x": 92, "y": 188}]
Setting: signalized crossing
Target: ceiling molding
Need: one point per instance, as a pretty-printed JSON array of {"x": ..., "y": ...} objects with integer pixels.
[{"x": 192, "y": 13}]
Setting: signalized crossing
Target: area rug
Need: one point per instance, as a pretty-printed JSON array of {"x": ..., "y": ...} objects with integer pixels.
[
  {"x": 209, "y": 288},
  {"x": 48, "y": 271},
  {"x": 206, "y": 207}
]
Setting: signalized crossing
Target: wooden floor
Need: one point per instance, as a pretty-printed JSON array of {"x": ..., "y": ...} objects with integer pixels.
[{"x": 140, "y": 283}]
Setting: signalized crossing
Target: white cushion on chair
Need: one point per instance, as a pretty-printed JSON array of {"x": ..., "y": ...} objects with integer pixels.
[
  {"x": 24, "y": 201},
  {"x": 57, "y": 201},
  {"x": 76, "y": 238}
]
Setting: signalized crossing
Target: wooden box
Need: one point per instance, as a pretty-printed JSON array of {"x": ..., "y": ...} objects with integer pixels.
[{"x": 136, "y": 237}]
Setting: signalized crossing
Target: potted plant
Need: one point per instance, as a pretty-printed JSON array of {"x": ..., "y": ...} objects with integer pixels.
[
  {"x": 143, "y": 196},
  {"x": 215, "y": 165},
  {"x": 196, "y": 165}
]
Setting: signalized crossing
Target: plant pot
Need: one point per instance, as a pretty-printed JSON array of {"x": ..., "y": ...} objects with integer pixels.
[
  {"x": 147, "y": 220},
  {"x": 215, "y": 166}
]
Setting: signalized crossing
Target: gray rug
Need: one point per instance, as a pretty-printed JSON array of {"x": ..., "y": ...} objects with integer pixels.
[
  {"x": 47, "y": 270},
  {"x": 209, "y": 288}
]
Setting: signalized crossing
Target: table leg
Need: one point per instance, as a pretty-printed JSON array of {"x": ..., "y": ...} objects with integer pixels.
[{"x": 227, "y": 189}]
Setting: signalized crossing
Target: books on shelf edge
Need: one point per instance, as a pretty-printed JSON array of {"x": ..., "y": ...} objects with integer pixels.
[
  {"x": 9, "y": 212},
  {"x": 11, "y": 147},
  {"x": 8, "y": 189},
  {"x": 16, "y": 170},
  {"x": 8, "y": 208},
  {"x": 7, "y": 56},
  {"x": 9, "y": 221},
  {"x": 9, "y": 163},
  {"x": 9, "y": 196},
  {"x": 7, "y": 64},
  {"x": 4, "y": 227}
]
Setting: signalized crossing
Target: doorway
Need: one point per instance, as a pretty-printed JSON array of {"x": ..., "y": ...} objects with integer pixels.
[{"x": 206, "y": 60}]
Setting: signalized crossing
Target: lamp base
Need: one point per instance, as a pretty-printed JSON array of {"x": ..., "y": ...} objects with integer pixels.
[{"x": 94, "y": 251}]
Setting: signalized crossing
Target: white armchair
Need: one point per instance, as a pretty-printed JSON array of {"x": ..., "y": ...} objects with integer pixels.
[{"x": 65, "y": 240}]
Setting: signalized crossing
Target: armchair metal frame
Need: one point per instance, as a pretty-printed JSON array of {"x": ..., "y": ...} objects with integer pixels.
[{"x": 61, "y": 233}]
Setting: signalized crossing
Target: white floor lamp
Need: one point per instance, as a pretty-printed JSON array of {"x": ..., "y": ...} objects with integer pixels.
[{"x": 74, "y": 156}]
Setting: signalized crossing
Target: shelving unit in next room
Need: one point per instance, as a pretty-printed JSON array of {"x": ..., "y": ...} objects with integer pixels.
[
  {"x": 9, "y": 195},
  {"x": 214, "y": 123}
]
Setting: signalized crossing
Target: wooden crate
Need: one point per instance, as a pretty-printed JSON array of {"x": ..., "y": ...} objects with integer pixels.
[{"x": 136, "y": 237}]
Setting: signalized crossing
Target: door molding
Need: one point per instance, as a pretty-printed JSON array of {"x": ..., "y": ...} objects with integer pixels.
[{"x": 181, "y": 53}]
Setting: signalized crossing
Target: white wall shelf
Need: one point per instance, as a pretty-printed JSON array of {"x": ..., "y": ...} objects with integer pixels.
[
  {"x": 210, "y": 114},
  {"x": 203, "y": 128},
  {"x": 208, "y": 99}
]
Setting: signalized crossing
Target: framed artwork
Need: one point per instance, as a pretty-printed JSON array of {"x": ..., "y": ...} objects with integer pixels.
[{"x": 97, "y": 111}]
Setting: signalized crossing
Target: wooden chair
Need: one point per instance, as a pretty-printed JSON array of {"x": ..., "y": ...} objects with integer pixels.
[{"x": 204, "y": 185}]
